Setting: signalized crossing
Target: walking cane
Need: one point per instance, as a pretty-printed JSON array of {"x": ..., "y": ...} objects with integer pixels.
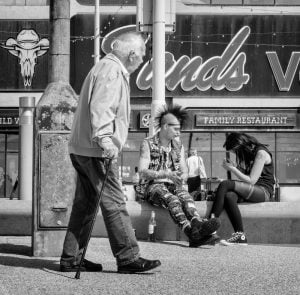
[{"x": 77, "y": 275}]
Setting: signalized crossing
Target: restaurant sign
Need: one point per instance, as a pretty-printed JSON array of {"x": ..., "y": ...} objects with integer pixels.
[
  {"x": 9, "y": 118},
  {"x": 247, "y": 118}
]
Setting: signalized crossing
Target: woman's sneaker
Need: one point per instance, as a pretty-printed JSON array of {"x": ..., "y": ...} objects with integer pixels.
[{"x": 238, "y": 238}]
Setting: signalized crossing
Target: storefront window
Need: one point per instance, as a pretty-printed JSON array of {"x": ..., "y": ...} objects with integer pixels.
[
  {"x": 2, "y": 143},
  {"x": 8, "y": 163},
  {"x": 2, "y": 165},
  {"x": 267, "y": 138},
  {"x": 217, "y": 155},
  {"x": 130, "y": 156},
  {"x": 185, "y": 139},
  {"x": 12, "y": 156},
  {"x": 24, "y": 2},
  {"x": 226, "y": 2},
  {"x": 242, "y": 2},
  {"x": 288, "y": 157},
  {"x": 108, "y": 2},
  {"x": 200, "y": 141},
  {"x": 285, "y": 148}
]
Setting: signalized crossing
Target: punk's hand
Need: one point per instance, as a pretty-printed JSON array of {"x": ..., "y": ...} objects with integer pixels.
[{"x": 176, "y": 178}]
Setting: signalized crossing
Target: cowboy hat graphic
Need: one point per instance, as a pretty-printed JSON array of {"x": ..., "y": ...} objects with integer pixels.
[{"x": 27, "y": 47}]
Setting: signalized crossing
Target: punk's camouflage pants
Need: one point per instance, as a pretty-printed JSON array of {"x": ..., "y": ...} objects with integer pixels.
[{"x": 179, "y": 202}]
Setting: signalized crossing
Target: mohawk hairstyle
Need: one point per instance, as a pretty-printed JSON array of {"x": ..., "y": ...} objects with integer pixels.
[{"x": 176, "y": 110}]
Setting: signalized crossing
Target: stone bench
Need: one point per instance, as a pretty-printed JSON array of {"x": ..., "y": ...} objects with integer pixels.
[
  {"x": 268, "y": 223},
  {"x": 15, "y": 217}
]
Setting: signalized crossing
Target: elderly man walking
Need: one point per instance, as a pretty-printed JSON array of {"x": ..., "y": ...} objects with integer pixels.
[{"x": 99, "y": 132}]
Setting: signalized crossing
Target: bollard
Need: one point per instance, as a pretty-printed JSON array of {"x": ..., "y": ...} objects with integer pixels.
[{"x": 26, "y": 119}]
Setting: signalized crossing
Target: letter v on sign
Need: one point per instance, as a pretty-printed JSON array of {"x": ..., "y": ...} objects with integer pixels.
[{"x": 284, "y": 81}]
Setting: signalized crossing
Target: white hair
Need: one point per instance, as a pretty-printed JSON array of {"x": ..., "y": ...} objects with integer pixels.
[{"x": 127, "y": 42}]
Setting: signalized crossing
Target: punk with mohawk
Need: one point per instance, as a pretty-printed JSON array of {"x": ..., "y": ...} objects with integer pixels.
[
  {"x": 162, "y": 169},
  {"x": 176, "y": 110}
]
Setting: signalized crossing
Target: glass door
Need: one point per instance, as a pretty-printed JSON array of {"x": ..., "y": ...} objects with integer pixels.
[{"x": 9, "y": 154}]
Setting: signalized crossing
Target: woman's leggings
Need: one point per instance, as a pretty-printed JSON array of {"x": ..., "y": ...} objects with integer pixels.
[{"x": 227, "y": 195}]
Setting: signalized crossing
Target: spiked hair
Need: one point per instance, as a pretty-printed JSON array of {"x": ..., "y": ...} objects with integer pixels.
[{"x": 176, "y": 110}]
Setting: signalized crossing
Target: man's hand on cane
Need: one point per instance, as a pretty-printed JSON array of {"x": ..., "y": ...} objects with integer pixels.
[{"x": 110, "y": 150}]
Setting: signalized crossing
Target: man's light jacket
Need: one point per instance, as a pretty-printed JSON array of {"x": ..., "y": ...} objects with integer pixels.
[{"x": 103, "y": 108}]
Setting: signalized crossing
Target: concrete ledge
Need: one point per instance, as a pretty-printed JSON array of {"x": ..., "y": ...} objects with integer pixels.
[
  {"x": 268, "y": 223},
  {"x": 273, "y": 223},
  {"x": 15, "y": 217}
]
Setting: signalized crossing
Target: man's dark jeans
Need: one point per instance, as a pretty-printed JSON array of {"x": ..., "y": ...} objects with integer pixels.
[{"x": 90, "y": 176}]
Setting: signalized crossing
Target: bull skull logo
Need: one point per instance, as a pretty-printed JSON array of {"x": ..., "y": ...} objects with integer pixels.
[{"x": 27, "y": 47}]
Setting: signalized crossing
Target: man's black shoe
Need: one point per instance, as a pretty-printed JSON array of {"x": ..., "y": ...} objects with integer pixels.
[
  {"x": 204, "y": 227},
  {"x": 85, "y": 266},
  {"x": 217, "y": 239},
  {"x": 139, "y": 265},
  {"x": 208, "y": 240}
]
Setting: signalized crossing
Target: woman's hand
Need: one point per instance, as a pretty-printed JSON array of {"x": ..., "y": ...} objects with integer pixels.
[{"x": 228, "y": 164}]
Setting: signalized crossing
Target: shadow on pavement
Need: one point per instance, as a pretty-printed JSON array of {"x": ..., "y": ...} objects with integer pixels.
[
  {"x": 29, "y": 263},
  {"x": 48, "y": 265},
  {"x": 184, "y": 246},
  {"x": 172, "y": 243},
  {"x": 71, "y": 275}
]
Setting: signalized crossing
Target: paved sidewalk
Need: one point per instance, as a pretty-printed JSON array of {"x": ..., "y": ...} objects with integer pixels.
[{"x": 253, "y": 269}]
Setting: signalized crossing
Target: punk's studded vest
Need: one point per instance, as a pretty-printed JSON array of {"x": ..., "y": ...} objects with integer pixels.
[{"x": 162, "y": 158}]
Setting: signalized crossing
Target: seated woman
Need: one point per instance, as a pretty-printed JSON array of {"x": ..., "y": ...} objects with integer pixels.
[{"x": 255, "y": 171}]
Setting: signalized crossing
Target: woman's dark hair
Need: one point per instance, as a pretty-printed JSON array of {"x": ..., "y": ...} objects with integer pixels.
[
  {"x": 176, "y": 110},
  {"x": 245, "y": 147}
]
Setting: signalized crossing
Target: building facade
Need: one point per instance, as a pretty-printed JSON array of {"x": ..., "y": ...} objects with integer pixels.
[{"x": 233, "y": 63}]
